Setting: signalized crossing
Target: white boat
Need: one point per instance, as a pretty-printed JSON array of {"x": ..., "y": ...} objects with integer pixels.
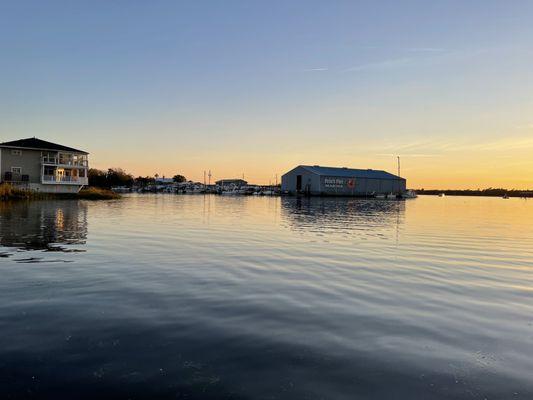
[
  {"x": 194, "y": 190},
  {"x": 410, "y": 194},
  {"x": 198, "y": 190},
  {"x": 442, "y": 195},
  {"x": 230, "y": 192},
  {"x": 120, "y": 189}
]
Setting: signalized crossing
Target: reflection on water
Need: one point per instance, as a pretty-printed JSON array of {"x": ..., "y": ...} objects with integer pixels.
[
  {"x": 267, "y": 298},
  {"x": 340, "y": 216},
  {"x": 42, "y": 225}
]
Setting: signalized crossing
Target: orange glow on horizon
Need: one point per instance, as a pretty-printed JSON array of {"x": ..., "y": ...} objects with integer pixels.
[{"x": 457, "y": 170}]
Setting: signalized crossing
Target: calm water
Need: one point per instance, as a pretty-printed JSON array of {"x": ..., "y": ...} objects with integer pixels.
[{"x": 198, "y": 297}]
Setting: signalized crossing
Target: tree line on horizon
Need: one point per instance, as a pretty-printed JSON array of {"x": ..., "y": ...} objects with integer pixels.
[
  {"x": 497, "y": 192},
  {"x": 118, "y": 177}
]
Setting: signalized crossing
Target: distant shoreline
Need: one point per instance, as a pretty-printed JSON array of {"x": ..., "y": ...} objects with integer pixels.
[{"x": 485, "y": 192}]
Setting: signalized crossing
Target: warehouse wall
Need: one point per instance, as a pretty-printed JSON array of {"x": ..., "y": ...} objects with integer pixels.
[
  {"x": 289, "y": 180},
  {"x": 353, "y": 186},
  {"x": 367, "y": 185},
  {"x": 340, "y": 186}
]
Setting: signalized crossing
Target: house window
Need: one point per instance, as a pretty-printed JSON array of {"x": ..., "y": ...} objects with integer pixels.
[
  {"x": 82, "y": 173},
  {"x": 16, "y": 152},
  {"x": 16, "y": 170}
]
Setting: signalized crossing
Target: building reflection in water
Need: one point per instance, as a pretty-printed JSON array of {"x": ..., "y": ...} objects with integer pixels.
[
  {"x": 347, "y": 217},
  {"x": 43, "y": 225}
]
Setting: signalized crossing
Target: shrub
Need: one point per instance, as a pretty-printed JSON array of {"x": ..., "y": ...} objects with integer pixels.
[{"x": 93, "y": 193}]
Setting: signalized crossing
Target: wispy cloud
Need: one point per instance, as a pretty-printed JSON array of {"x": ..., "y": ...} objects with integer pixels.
[
  {"x": 409, "y": 57},
  {"x": 437, "y": 148},
  {"x": 393, "y": 62},
  {"x": 425, "y": 49},
  {"x": 409, "y": 155},
  {"x": 507, "y": 144},
  {"x": 316, "y": 69},
  {"x": 421, "y": 146},
  {"x": 421, "y": 49},
  {"x": 524, "y": 126}
]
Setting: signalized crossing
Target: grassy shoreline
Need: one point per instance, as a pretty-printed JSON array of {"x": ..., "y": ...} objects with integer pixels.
[{"x": 9, "y": 193}]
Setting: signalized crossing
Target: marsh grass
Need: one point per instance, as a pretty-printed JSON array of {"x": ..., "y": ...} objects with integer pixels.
[{"x": 10, "y": 192}]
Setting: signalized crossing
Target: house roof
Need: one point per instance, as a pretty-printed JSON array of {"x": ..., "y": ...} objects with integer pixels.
[
  {"x": 38, "y": 144},
  {"x": 350, "y": 172}
]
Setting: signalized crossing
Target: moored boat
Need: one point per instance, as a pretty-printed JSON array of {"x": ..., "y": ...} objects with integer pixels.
[{"x": 409, "y": 194}]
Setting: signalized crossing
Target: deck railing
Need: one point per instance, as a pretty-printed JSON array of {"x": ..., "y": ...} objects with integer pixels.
[
  {"x": 75, "y": 180},
  {"x": 49, "y": 160}
]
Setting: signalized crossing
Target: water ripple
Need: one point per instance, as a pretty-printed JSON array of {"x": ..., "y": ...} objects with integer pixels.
[{"x": 215, "y": 297}]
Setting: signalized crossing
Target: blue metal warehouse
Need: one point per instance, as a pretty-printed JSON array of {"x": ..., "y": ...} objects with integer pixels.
[{"x": 316, "y": 180}]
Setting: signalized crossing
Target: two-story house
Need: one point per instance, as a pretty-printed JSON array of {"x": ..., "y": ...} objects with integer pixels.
[{"x": 43, "y": 166}]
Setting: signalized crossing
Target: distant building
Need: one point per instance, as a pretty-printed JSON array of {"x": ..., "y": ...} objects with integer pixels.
[
  {"x": 231, "y": 182},
  {"x": 43, "y": 166},
  {"x": 317, "y": 180}
]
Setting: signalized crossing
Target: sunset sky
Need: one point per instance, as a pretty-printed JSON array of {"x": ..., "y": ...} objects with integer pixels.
[{"x": 259, "y": 87}]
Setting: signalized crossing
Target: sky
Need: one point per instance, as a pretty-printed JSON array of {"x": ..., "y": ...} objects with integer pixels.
[{"x": 258, "y": 87}]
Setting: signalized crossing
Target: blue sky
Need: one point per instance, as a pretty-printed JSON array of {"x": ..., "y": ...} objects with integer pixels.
[{"x": 257, "y": 87}]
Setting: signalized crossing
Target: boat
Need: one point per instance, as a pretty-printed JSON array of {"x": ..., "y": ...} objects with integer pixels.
[
  {"x": 506, "y": 196},
  {"x": 195, "y": 190},
  {"x": 442, "y": 195},
  {"x": 121, "y": 189},
  {"x": 230, "y": 191},
  {"x": 409, "y": 194}
]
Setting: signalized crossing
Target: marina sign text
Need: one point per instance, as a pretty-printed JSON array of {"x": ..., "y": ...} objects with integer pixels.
[{"x": 339, "y": 183}]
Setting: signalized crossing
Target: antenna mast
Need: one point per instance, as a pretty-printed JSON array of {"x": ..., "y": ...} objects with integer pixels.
[{"x": 399, "y": 166}]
